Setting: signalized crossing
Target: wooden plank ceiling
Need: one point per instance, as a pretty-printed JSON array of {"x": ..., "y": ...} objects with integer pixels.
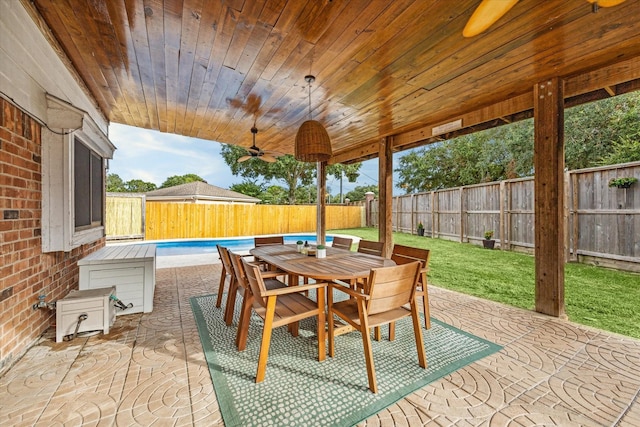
[{"x": 210, "y": 69}]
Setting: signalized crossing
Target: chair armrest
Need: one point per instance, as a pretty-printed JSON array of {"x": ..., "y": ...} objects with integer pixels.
[
  {"x": 294, "y": 289},
  {"x": 271, "y": 274},
  {"x": 348, "y": 291}
]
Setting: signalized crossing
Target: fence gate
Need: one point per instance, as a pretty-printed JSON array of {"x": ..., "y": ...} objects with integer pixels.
[{"x": 125, "y": 216}]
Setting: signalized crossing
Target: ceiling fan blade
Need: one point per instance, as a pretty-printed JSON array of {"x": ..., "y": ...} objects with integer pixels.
[
  {"x": 486, "y": 14},
  {"x": 606, "y": 3},
  {"x": 273, "y": 153},
  {"x": 268, "y": 158},
  {"x": 244, "y": 159},
  {"x": 253, "y": 150}
]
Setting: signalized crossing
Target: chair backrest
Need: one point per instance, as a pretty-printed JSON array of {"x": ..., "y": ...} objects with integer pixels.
[
  {"x": 269, "y": 240},
  {"x": 224, "y": 257},
  {"x": 370, "y": 247},
  {"x": 342, "y": 243},
  {"x": 392, "y": 287},
  {"x": 405, "y": 254},
  {"x": 256, "y": 284},
  {"x": 238, "y": 269}
]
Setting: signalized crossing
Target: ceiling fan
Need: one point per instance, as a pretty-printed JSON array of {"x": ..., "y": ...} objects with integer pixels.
[
  {"x": 255, "y": 152},
  {"x": 489, "y": 11}
]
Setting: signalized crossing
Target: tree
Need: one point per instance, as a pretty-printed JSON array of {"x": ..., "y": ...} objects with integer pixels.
[
  {"x": 286, "y": 169},
  {"x": 625, "y": 150},
  {"x": 249, "y": 188},
  {"x": 358, "y": 193},
  {"x": 307, "y": 193},
  {"x": 115, "y": 183},
  {"x": 181, "y": 179},
  {"x": 468, "y": 159},
  {"x": 275, "y": 195},
  {"x": 338, "y": 170},
  {"x": 139, "y": 186}
]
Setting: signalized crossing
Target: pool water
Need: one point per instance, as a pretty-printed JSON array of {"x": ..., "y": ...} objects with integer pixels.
[{"x": 208, "y": 246}]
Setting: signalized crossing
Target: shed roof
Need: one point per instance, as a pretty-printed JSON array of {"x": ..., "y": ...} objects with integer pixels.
[{"x": 199, "y": 190}]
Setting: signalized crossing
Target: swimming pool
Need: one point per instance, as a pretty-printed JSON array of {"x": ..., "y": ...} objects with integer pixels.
[{"x": 208, "y": 246}]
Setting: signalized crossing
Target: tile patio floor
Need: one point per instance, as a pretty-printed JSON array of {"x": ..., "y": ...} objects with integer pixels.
[{"x": 150, "y": 370}]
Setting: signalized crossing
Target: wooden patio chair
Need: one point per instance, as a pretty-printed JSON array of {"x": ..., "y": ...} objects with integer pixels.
[
  {"x": 405, "y": 254},
  {"x": 342, "y": 243},
  {"x": 268, "y": 240},
  {"x": 283, "y": 306},
  {"x": 242, "y": 287},
  {"x": 383, "y": 301},
  {"x": 226, "y": 271},
  {"x": 370, "y": 247}
]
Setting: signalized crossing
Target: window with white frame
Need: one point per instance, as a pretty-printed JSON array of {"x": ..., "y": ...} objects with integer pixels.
[
  {"x": 88, "y": 187},
  {"x": 73, "y": 181}
]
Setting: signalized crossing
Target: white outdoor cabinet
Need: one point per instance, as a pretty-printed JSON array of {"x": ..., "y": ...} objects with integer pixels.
[
  {"x": 95, "y": 304},
  {"x": 130, "y": 268}
]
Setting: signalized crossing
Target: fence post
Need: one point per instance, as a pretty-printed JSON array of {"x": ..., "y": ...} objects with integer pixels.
[
  {"x": 369, "y": 196},
  {"x": 503, "y": 233},
  {"x": 463, "y": 217}
]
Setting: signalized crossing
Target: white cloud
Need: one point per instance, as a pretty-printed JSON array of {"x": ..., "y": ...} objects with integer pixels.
[{"x": 154, "y": 156}]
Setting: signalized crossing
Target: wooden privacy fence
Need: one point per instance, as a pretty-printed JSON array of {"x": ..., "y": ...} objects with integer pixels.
[
  {"x": 182, "y": 220},
  {"x": 602, "y": 222},
  {"x": 125, "y": 216}
]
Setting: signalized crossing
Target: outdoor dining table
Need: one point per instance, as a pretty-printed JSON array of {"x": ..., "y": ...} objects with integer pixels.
[{"x": 339, "y": 264}]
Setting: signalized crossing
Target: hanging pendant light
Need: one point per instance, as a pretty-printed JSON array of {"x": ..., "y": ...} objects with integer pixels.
[{"x": 312, "y": 140}]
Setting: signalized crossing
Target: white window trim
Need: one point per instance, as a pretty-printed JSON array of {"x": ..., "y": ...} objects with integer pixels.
[{"x": 58, "y": 213}]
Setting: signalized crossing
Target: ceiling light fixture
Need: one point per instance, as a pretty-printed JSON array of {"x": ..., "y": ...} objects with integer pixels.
[
  {"x": 489, "y": 11},
  {"x": 312, "y": 140}
]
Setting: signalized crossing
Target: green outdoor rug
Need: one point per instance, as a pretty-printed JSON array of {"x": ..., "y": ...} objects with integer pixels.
[{"x": 300, "y": 391}]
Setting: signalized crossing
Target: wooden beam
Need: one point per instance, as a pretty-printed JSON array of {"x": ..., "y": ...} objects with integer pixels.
[
  {"x": 385, "y": 179},
  {"x": 612, "y": 75},
  {"x": 360, "y": 152},
  {"x": 321, "y": 215},
  {"x": 610, "y": 90},
  {"x": 499, "y": 110},
  {"x": 549, "y": 196}
]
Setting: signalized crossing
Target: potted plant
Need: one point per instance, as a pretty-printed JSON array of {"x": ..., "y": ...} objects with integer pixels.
[
  {"x": 420, "y": 229},
  {"x": 624, "y": 182},
  {"x": 488, "y": 241}
]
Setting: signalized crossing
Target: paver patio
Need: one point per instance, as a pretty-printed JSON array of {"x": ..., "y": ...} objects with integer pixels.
[{"x": 150, "y": 370}]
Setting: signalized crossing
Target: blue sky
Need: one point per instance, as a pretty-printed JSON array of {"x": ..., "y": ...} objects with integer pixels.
[{"x": 154, "y": 156}]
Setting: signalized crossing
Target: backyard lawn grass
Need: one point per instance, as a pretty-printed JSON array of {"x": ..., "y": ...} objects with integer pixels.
[{"x": 594, "y": 296}]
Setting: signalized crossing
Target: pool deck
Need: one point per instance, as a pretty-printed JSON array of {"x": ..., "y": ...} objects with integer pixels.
[{"x": 150, "y": 370}]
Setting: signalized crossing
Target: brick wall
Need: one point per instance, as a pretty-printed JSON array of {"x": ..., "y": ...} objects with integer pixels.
[{"x": 26, "y": 272}]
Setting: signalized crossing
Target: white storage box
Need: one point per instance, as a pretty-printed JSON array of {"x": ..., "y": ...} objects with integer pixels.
[
  {"x": 95, "y": 303},
  {"x": 130, "y": 268}
]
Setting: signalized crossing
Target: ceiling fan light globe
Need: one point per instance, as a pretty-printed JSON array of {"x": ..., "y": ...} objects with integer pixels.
[
  {"x": 485, "y": 15},
  {"x": 606, "y": 3}
]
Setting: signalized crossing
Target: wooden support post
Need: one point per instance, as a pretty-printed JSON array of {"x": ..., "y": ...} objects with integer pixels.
[
  {"x": 549, "y": 196},
  {"x": 321, "y": 214},
  {"x": 385, "y": 178}
]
